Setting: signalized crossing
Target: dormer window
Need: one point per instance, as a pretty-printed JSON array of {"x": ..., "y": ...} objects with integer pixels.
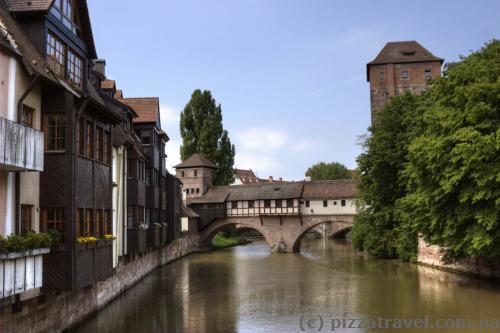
[
  {"x": 64, "y": 61},
  {"x": 64, "y": 10}
]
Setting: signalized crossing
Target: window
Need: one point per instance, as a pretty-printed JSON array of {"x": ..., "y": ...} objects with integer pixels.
[
  {"x": 107, "y": 147},
  {"x": 382, "y": 76},
  {"x": 89, "y": 222},
  {"x": 140, "y": 214},
  {"x": 80, "y": 137},
  {"x": 192, "y": 191},
  {"x": 64, "y": 10},
  {"x": 197, "y": 191},
  {"x": 234, "y": 204},
  {"x": 55, "y": 128},
  {"x": 148, "y": 176},
  {"x": 251, "y": 204},
  {"x": 279, "y": 203},
  {"x": 74, "y": 72},
  {"x": 90, "y": 139},
  {"x": 404, "y": 75},
  {"x": 108, "y": 227},
  {"x": 148, "y": 216},
  {"x": 53, "y": 219},
  {"x": 196, "y": 173},
  {"x": 145, "y": 138},
  {"x": 99, "y": 142},
  {"x": 267, "y": 203},
  {"x": 428, "y": 74},
  {"x": 28, "y": 114},
  {"x": 335, "y": 203},
  {"x": 56, "y": 53},
  {"x": 80, "y": 220},
  {"x": 325, "y": 203},
  {"x": 289, "y": 202},
  {"x": 130, "y": 216},
  {"x": 26, "y": 218},
  {"x": 342, "y": 203},
  {"x": 182, "y": 174},
  {"x": 308, "y": 203},
  {"x": 99, "y": 223}
]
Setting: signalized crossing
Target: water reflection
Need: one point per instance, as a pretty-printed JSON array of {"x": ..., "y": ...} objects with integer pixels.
[{"x": 248, "y": 289}]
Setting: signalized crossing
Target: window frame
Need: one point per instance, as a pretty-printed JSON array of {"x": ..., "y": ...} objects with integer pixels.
[
  {"x": 405, "y": 76},
  {"x": 57, "y": 129}
]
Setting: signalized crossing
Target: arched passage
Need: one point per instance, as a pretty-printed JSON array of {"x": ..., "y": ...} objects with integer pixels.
[
  {"x": 208, "y": 233},
  {"x": 337, "y": 228}
]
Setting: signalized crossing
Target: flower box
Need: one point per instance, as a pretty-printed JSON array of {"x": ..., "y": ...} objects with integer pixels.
[{"x": 21, "y": 271}]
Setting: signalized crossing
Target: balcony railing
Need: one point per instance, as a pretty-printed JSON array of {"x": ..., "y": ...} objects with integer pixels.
[{"x": 21, "y": 147}]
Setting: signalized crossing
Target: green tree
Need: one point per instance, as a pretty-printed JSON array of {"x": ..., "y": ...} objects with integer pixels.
[
  {"x": 453, "y": 168},
  {"x": 379, "y": 227},
  {"x": 202, "y": 132},
  {"x": 328, "y": 171}
]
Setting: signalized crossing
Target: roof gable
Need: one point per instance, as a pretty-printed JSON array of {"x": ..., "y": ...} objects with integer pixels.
[
  {"x": 147, "y": 109},
  {"x": 196, "y": 160},
  {"x": 402, "y": 52}
]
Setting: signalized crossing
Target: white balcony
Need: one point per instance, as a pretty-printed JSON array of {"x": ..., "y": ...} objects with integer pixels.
[
  {"x": 21, "y": 271},
  {"x": 21, "y": 147}
]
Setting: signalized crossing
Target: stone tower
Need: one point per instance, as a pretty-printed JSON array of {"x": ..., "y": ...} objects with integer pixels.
[
  {"x": 400, "y": 67},
  {"x": 196, "y": 174}
]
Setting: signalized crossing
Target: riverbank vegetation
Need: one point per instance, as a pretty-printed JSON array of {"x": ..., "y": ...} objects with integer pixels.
[
  {"x": 431, "y": 166},
  {"x": 221, "y": 241}
]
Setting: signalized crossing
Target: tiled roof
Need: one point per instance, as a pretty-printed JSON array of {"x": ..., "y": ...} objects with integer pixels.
[
  {"x": 147, "y": 108},
  {"x": 266, "y": 191},
  {"x": 29, "y": 6},
  {"x": 246, "y": 176},
  {"x": 331, "y": 189},
  {"x": 196, "y": 160},
  {"x": 402, "y": 52},
  {"x": 188, "y": 212},
  {"x": 31, "y": 58},
  {"x": 215, "y": 194},
  {"x": 108, "y": 85},
  {"x": 119, "y": 94}
]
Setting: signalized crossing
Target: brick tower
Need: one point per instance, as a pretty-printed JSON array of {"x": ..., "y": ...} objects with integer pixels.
[
  {"x": 400, "y": 67},
  {"x": 196, "y": 174}
]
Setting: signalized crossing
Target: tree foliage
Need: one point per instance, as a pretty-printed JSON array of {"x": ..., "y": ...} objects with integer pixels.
[
  {"x": 432, "y": 166},
  {"x": 202, "y": 132},
  {"x": 328, "y": 171}
]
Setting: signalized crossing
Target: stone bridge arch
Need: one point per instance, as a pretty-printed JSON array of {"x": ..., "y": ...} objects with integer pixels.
[
  {"x": 211, "y": 230},
  {"x": 282, "y": 233}
]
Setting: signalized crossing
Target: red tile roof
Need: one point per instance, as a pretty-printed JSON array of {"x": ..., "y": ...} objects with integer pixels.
[
  {"x": 108, "y": 85},
  {"x": 29, "y": 6},
  {"x": 331, "y": 189},
  {"x": 148, "y": 108},
  {"x": 246, "y": 176}
]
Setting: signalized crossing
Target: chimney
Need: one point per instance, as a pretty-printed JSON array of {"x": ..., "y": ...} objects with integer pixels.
[
  {"x": 270, "y": 179},
  {"x": 100, "y": 66}
]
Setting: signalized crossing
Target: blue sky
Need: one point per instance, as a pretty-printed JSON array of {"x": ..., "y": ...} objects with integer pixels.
[{"x": 290, "y": 75}]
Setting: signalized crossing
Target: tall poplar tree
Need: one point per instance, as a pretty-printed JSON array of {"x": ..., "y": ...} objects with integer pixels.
[{"x": 202, "y": 132}]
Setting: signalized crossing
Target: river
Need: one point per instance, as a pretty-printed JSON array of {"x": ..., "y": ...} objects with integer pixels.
[{"x": 248, "y": 289}]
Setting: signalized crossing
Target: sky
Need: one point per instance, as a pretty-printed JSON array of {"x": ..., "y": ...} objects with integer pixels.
[{"x": 290, "y": 75}]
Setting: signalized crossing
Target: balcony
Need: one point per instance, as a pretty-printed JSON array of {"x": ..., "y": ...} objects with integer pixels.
[{"x": 21, "y": 147}]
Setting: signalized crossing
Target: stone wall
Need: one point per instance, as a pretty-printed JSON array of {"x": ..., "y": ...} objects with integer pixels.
[
  {"x": 56, "y": 312},
  {"x": 432, "y": 255}
]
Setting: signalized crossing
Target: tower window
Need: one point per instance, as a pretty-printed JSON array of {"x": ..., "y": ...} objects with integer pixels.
[
  {"x": 404, "y": 74},
  {"x": 182, "y": 173},
  {"x": 382, "y": 76},
  {"x": 428, "y": 73},
  {"x": 196, "y": 173}
]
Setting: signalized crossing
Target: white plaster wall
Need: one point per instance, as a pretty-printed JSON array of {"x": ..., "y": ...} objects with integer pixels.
[
  {"x": 334, "y": 207},
  {"x": 118, "y": 165}
]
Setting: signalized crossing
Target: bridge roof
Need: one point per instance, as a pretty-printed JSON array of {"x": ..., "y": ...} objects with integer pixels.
[
  {"x": 266, "y": 191},
  {"x": 331, "y": 189},
  {"x": 215, "y": 194}
]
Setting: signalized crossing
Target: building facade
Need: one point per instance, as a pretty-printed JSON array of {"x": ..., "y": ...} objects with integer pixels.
[{"x": 400, "y": 67}]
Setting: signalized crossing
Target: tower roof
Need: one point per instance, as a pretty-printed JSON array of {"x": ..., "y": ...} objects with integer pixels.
[
  {"x": 402, "y": 52},
  {"x": 196, "y": 160}
]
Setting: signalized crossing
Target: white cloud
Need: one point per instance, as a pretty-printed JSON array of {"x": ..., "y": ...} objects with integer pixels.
[
  {"x": 261, "y": 139},
  {"x": 260, "y": 164},
  {"x": 304, "y": 145},
  {"x": 169, "y": 115},
  {"x": 172, "y": 150}
]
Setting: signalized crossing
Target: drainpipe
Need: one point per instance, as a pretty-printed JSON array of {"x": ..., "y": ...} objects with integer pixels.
[{"x": 17, "y": 185}]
